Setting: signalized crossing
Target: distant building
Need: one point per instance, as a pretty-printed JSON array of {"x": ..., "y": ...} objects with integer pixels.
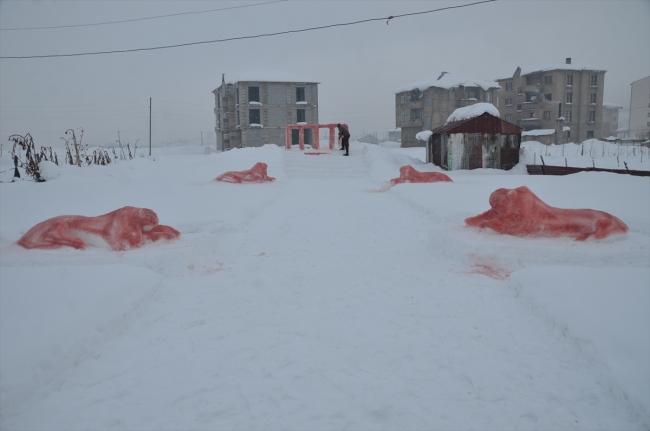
[
  {"x": 555, "y": 95},
  {"x": 610, "y": 120},
  {"x": 395, "y": 135},
  {"x": 253, "y": 108},
  {"x": 426, "y": 104},
  {"x": 640, "y": 109}
]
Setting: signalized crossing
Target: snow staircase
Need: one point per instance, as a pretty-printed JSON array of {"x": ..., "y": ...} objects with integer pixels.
[{"x": 325, "y": 164}]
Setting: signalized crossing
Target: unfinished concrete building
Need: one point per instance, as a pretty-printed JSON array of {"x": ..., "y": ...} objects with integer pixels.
[
  {"x": 427, "y": 104},
  {"x": 555, "y": 96},
  {"x": 253, "y": 108}
]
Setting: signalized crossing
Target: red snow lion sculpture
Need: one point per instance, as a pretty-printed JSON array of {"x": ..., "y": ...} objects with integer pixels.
[
  {"x": 122, "y": 229},
  {"x": 409, "y": 175},
  {"x": 521, "y": 213},
  {"x": 257, "y": 174}
]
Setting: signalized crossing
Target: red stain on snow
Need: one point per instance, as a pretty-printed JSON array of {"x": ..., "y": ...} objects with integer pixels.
[
  {"x": 122, "y": 229},
  {"x": 520, "y": 212},
  {"x": 257, "y": 174}
]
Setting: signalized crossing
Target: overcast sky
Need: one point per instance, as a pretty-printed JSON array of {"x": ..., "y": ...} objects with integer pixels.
[{"x": 358, "y": 66}]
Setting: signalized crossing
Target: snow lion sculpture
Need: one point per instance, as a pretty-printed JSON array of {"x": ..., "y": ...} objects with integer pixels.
[
  {"x": 257, "y": 174},
  {"x": 122, "y": 229},
  {"x": 521, "y": 213},
  {"x": 407, "y": 174}
]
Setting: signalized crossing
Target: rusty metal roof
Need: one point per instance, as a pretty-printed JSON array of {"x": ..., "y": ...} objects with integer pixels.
[{"x": 484, "y": 123}]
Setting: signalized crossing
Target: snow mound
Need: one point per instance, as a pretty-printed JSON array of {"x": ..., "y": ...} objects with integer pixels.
[
  {"x": 407, "y": 174},
  {"x": 424, "y": 136},
  {"x": 257, "y": 174},
  {"x": 473, "y": 111},
  {"x": 122, "y": 229},
  {"x": 520, "y": 212}
]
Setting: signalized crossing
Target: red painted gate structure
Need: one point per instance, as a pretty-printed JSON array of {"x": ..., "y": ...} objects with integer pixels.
[{"x": 315, "y": 127}]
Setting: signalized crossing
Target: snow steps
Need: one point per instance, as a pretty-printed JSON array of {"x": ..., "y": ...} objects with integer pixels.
[{"x": 326, "y": 164}]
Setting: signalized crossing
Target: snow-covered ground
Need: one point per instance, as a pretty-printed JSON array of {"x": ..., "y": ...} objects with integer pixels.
[{"x": 319, "y": 302}]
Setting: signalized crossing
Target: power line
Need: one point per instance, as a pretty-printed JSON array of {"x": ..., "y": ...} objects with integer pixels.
[
  {"x": 140, "y": 19},
  {"x": 387, "y": 19}
]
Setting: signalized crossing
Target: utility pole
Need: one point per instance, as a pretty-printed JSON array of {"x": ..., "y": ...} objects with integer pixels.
[{"x": 150, "y": 127}]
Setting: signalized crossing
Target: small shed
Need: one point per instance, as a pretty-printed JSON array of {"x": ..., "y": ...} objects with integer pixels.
[{"x": 475, "y": 138}]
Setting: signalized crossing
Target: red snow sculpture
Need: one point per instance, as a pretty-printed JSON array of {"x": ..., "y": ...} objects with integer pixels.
[
  {"x": 257, "y": 174},
  {"x": 521, "y": 213},
  {"x": 122, "y": 229},
  {"x": 409, "y": 175}
]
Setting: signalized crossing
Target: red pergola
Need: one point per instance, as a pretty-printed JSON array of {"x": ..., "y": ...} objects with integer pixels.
[{"x": 315, "y": 127}]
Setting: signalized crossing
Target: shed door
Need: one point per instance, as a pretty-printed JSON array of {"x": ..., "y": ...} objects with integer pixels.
[
  {"x": 295, "y": 137},
  {"x": 474, "y": 151},
  {"x": 436, "y": 147}
]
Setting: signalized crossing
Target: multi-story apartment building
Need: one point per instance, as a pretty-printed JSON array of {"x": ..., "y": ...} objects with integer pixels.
[
  {"x": 640, "y": 109},
  {"x": 610, "y": 120},
  {"x": 427, "y": 104},
  {"x": 254, "y": 108},
  {"x": 555, "y": 96}
]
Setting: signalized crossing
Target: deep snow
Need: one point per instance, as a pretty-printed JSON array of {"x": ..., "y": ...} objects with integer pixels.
[{"x": 320, "y": 301}]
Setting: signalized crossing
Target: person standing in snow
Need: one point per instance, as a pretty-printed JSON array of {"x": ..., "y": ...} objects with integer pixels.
[{"x": 345, "y": 143}]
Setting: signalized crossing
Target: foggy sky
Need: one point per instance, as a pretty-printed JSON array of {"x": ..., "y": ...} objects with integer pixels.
[{"x": 358, "y": 66}]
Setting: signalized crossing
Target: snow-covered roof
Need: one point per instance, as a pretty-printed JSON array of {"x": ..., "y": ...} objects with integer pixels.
[
  {"x": 399, "y": 129},
  {"x": 545, "y": 67},
  {"x": 473, "y": 111},
  {"x": 266, "y": 75},
  {"x": 566, "y": 129},
  {"x": 448, "y": 80},
  {"x": 538, "y": 132},
  {"x": 424, "y": 136},
  {"x": 611, "y": 105}
]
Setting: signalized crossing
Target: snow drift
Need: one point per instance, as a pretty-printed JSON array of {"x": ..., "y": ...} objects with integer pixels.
[{"x": 521, "y": 213}]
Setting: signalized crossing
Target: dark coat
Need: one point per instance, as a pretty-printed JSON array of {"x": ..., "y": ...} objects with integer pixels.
[{"x": 343, "y": 132}]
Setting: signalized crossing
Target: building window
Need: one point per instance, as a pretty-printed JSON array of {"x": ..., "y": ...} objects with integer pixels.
[
  {"x": 532, "y": 97},
  {"x": 592, "y": 116},
  {"x": 569, "y": 80},
  {"x": 519, "y": 107},
  {"x": 568, "y": 134},
  {"x": 532, "y": 115},
  {"x": 548, "y": 79},
  {"x": 518, "y": 123},
  {"x": 548, "y": 97},
  {"x": 254, "y": 94},
  {"x": 415, "y": 95},
  {"x": 594, "y": 80},
  {"x": 401, "y": 100},
  {"x": 218, "y": 102},
  {"x": 590, "y": 134},
  {"x": 567, "y": 116},
  {"x": 429, "y": 101},
  {"x": 520, "y": 91},
  {"x": 237, "y": 95},
  {"x": 416, "y": 114},
  {"x": 427, "y": 123},
  {"x": 488, "y": 97},
  {"x": 254, "y": 116},
  {"x": 508, "y": 102},
  {"x": 509, "y": 118},
  {"x": 547, "y": 115},
  {"x": 402, "y": 117},
  {"x": 592, "y": 98},
  {"x": 508, "y": 86},
  {"x": 569, "y": 98},
  {"x": 218, "y": 121},
  {"x": 238, "y": 118},
  {"x": 301, "y": 116},
  {"x": 300, "y": 94}
]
